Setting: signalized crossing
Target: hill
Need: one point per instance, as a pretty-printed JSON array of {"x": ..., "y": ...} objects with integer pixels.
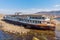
[{"x": 50, "y": 12}]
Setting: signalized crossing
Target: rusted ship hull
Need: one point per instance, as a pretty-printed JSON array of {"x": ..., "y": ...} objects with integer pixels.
[{"x": 41, "y": 26}]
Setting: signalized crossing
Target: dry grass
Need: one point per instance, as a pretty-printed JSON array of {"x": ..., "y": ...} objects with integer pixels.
[{"x": 35, "y": 35}]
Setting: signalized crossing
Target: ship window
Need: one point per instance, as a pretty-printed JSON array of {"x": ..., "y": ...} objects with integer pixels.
[
  {"x": 37, "y": 17},
  {"x": 27, "y": 20},
  {"x": 43, "y": 17},
  {"x": 24, "y": 19},
  {"x": 30, "y": 20},
  {"x": 35, "y": 21},
  {"x": 20, "y": 19},
  {"x": 39, "y": 21}
]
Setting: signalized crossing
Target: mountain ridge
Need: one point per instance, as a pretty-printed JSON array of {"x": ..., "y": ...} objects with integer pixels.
[{"x": 49, "y": 12}]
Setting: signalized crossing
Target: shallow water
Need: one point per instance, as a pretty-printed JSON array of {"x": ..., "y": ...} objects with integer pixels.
[
  {"x": 4, "y": 36},
  {"x": 57, "y": 31},
  {"x": 57, "y": 19}
]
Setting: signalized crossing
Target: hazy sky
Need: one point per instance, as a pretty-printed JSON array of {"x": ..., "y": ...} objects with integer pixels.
[{"x": 28, "y": 6}]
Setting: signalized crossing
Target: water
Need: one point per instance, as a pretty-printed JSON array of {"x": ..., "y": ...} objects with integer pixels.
[
  {"x": 57, "y": 35},
  {"x": 4, "y": 36},
  {"x": 57, "y": 31},
  {"x": 57, "y": 19}
]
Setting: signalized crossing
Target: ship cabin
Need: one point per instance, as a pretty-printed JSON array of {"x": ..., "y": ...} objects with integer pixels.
[
  {"x": 28, "y": 19},
  {"x": 41, "y": 21}
]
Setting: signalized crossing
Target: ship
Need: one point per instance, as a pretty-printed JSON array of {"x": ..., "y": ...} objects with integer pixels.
[{"x": 30, "y": 21}]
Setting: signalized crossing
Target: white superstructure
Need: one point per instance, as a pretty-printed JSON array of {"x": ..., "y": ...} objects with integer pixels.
[{"x": 28, "y": 19}]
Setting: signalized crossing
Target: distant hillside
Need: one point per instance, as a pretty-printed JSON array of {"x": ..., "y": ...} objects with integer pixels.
[{"x": 49, "y": 12}]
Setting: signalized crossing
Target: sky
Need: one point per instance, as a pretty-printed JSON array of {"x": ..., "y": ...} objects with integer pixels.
[{"x": 28, "y": 6}]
